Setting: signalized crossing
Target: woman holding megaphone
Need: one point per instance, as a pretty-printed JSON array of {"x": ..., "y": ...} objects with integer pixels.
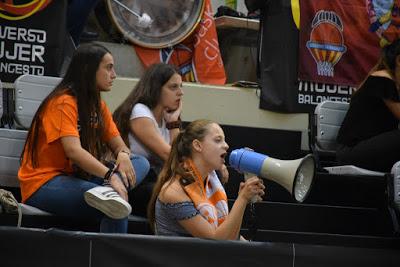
[{"x": 188, "y": 198}]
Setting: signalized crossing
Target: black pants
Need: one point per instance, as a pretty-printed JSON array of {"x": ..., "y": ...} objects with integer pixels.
[
  {"x": 378, "y": 153},
  {"x": 140, "y": 196}
]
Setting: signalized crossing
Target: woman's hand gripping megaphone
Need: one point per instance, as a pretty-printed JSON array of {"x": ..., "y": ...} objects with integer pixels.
[
  {"x": 255, "y": 188},
  {"x": 252, "y": 188}
]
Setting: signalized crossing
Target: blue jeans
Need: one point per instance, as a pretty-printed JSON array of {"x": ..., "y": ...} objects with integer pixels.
[{"x": 63, "y": 196}]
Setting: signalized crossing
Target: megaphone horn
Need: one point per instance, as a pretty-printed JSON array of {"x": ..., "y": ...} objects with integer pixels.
[{"x": 294, "y": 175}]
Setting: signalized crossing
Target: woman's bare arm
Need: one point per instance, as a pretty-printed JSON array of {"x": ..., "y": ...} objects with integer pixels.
[
  {"x": 198, "y": 226},
  {"x": 81, "y": 157},
  {"x": 145, "y": 131},
  {"x": 394, "y": 107}
]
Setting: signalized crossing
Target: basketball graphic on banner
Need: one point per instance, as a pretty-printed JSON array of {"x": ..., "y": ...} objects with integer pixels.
[{"x": 326, "y": 43}]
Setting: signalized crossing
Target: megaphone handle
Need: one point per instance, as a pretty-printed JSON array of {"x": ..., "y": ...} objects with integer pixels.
[
  {"x": 248, "y": 175},
  {"x": 253, "y": 217}
]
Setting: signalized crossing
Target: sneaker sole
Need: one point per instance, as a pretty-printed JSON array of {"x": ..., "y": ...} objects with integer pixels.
[{"x": 110, "y": 207}]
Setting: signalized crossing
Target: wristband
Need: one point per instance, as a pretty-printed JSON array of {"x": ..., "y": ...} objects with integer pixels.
[
  {"x": 109, "y": 173},
  {"x": 173, "y": 124}
]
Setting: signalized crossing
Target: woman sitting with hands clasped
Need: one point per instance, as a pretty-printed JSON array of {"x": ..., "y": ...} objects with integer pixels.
[
  {"x": 188, "y": 198},
  {"x": 149, "y": 118},
  {"x": 62, "y": 171}
]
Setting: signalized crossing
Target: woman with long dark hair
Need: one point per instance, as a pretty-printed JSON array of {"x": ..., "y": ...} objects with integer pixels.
[
  {"x": 62, "y": 167},
  {"x": 148, "y": 119},
  {"x": 369, "y": 136}
]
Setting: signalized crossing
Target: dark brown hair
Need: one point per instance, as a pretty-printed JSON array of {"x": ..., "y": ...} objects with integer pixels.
[
  {"x": 80, "y": 82},
  {"x": 147, "y": 91},
  {"x": 389, "y": 55}
]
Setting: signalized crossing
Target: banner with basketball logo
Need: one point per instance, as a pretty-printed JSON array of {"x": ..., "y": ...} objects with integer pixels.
[
  {"x": 32, "y": 34},
  {"x": 337, "y": 44},
  {"x": 197, "y": 57}
]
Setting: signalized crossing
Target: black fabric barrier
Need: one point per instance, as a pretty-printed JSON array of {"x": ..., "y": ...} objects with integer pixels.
[
  {"x": 321, "y": 219},
  {"x": 30, "y": 247},
  {"x": 324, "y": 239}
]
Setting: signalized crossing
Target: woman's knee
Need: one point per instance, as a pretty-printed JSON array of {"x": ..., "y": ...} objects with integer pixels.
[{"x": 141, "y": 166}]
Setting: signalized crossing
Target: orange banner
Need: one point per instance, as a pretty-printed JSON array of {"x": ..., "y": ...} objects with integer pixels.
[{"x": 197, "y": 57}]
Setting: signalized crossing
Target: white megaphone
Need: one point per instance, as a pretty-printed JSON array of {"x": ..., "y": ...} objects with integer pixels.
[{"x": 294, "y": 175}]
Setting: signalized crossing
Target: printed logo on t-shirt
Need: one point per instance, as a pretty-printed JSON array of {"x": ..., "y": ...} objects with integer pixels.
[{"x": 94, "y": 120}]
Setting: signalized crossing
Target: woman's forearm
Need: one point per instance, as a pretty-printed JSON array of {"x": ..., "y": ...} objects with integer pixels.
[
  {"x": 81, "y": 157},
  {"x": 87, "y": 162},
  {"x": 230, "y": 228}
]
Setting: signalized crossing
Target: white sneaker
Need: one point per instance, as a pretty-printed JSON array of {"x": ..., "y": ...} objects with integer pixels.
[{"x": 108, "y": 201}]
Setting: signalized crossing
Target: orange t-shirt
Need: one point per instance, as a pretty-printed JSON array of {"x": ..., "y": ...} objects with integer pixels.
[{"x": 59, "y": 119}]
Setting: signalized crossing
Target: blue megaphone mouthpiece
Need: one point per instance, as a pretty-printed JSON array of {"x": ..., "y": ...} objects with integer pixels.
[{"x": 246, "y": 160}]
